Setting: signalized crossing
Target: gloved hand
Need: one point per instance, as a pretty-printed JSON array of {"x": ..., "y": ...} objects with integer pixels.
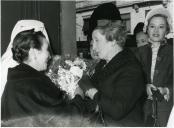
[
  {"x": 157, "y": 95},
  {"x": 85, "y": 83},
  {"x": 91, "y": 105}
]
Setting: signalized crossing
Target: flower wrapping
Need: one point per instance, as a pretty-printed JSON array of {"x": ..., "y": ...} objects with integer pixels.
[{"x": 66, "y": 72}]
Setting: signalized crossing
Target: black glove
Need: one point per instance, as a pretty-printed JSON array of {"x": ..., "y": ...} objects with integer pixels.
[
  {"x": 157, "y": 95},
  {"x": 85, "y": 83},
  {"x": 85, "y": 106}
]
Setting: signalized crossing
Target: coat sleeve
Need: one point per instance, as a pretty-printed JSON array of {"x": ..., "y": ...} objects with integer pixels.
[
  {"x": 48, "y": 95},
  {"x": 46, "y": 92},
  {"x": 127, "y": 91}
]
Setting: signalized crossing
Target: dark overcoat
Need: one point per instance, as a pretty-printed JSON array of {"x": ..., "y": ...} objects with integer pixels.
[
  {"x": 29, "y": 92},
  {"x": 121, "y": 90},
  {"x": 163, "y": 74}
]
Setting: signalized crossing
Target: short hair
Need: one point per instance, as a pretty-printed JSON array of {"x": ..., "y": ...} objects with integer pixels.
[
  {"x": 23, "y": 42},
  {"x": 160, "y": 15},
  {"x": 114, "y": 32}
]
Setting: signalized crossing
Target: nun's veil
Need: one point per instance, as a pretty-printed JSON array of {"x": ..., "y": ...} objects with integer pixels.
[{"x": 7, "y": 59}]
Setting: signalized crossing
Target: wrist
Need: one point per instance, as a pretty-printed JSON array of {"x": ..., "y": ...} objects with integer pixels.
[
  {"x": 166, "y": 91},
  {"x": 167, "y": 94},
  {"x": 91, "y": 92},
  {"x": 163, "y": 90}
]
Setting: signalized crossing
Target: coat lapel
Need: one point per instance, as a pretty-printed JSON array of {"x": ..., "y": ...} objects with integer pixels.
[
  {"x": 119, "y": 60},
  {"x": 149, "y": 62}
]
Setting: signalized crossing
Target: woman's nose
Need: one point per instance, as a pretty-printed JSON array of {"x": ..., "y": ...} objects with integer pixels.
[
  {"x": 49, "y": 55},
  {"x": 156, "y": 29},
  {"x": 94, "y": 45}
]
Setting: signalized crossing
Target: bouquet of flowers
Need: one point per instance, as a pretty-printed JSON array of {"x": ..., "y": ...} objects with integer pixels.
[{"x": 66, "y": 72}]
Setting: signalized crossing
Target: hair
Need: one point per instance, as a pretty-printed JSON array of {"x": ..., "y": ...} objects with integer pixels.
[
  {"x": 23, "y": 42},
  {"x": 114, "y": 32},
  {"x": 160, "y": 15},
  {"x": 138, "y": 28}
]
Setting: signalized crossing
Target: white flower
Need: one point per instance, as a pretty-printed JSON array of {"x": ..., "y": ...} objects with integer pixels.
[
  {"x": 81, "y": 63},
  {"x": 76, "y": 71},
  {"x": 67, "y": 78},
  {"x": 69, "y": 62}
]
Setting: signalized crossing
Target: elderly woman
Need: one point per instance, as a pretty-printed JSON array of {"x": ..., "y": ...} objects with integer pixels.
[
  {"x": 103, "y": 14},
  {"x": 117, "y": 85},
  {"x": 157, "y": 60}
]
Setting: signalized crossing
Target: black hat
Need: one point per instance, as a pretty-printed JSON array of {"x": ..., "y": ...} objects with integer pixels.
[{"x": 104, "y": 11}]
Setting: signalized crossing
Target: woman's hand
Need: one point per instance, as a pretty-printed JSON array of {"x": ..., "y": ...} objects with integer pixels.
[
  {"x": 91, "y": 92},
  {"x": 79, "y": 91},
  {"x": 85, "y": 83},
  {"x": 165, "y": 92},
  {"x": 149, "y": 88}
]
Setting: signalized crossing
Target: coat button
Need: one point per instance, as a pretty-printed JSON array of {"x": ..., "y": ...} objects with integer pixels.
[
  {"x": 158, "y": 58},
  {"x": 156, "y": 71}
]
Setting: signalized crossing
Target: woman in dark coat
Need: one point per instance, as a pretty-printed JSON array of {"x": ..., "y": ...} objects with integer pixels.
[
  {"x": 117, "y": 85},
  {"x": 157, "y": 60},
  {"x": 29, "y": 92}
]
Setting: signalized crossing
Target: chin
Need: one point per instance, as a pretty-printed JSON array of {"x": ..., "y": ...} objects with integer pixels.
[
  {"x": 43, "y": 69},
  {"x": 100, "y": 57},
  {"x": 156, "y": 39}
]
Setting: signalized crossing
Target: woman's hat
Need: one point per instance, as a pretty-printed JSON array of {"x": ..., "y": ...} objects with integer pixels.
[
  {"x": 107, "y": 11},
  {"x": 159, "y": 10}
]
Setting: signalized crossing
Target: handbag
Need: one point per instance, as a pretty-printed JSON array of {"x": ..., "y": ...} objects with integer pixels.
[{"x": 151, "y": 109}]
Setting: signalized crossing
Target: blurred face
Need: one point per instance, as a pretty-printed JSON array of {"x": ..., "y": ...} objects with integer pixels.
[
  {"x": 141, "y": 39},
  {"x": 93, "y": 52},
  {"x": 42, "y": 56},
  {"x": 100, "y": 44},
  {"x": 157, "y": 29}
]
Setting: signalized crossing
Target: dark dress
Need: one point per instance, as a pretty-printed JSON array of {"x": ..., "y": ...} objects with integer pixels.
[
  {"x": 121, "y": 90},
  {"x": 29, "y": 92}
]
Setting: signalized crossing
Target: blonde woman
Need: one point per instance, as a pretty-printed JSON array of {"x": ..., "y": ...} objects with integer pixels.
[{"x": 157, "y": 60}]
